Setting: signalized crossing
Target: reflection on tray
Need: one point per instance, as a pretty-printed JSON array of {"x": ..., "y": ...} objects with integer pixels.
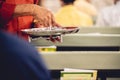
[{"x": 46, "y": 31}]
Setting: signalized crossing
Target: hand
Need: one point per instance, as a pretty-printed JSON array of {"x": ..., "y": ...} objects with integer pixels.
[
  {"x": 38, "y": 24},
  {"x": 52, "y": 38},
  {"x": 44, "y": 17},
  {"x": 56, "y": 38}
]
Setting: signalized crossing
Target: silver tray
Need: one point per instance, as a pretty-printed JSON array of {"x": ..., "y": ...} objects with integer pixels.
[{"x": 46, "y": 31}]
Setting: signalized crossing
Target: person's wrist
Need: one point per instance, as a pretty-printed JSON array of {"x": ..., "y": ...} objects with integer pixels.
[{"x": 24, "y": 10}]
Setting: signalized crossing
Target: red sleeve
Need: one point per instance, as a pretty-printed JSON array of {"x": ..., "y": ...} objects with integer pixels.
[{"x": 6, "y": 12}]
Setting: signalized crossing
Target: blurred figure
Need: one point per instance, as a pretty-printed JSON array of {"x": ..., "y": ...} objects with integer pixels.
[
  {"x": 110, "y": 16},
  {"x": 69, "y": 15},
  {"x": 86, "y": 6},
  {"x": 19, "y": 60},
  {"x": 100, "y": 4}
]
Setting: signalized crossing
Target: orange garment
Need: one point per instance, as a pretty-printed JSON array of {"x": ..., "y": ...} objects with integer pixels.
[
  {"x": 6, "y": 12},
  {"x": 17, "y": 24}
]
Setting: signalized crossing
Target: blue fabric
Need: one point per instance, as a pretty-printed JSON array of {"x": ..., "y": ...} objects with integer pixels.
[{"x": 19, "y": 60}]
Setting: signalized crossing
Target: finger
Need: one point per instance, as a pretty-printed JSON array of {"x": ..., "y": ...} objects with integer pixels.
[
  {"x": 44, "y": 21},
  {"x": 57, "y": 38},
  {"x": 40, "y": 23},
  {"x": 52, "y": 39},
  {"x": 54, "y": 23},
  {"x": 52, "y": 20},
  {"x": 57, "y": 25},
  {"x": 49, "y": 20}
]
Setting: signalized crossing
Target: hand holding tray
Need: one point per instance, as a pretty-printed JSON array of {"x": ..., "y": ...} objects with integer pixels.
[{"x": 50, "y": 33}]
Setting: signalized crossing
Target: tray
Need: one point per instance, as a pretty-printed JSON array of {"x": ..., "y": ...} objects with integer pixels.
[{"x": 47, "y": 31}]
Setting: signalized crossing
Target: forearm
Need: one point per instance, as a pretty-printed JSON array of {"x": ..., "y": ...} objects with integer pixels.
[
  {"x": 29, "y": 10},
  {"x": 24, "y": 10},
  {"x": 41, "y": 14}
]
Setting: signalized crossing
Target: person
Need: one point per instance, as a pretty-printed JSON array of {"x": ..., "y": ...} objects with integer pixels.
[
  {"x": 100, "y": 4},
  {"x": 87, "y": 7},
  {"x": 30, "y": 10},
  {"x": 19, "y": 59},
  {"x": 69, "y": 15},
  {"x": 109, "y": 16}
]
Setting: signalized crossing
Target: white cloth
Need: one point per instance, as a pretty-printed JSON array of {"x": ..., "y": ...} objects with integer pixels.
[
  {"x": 52, "y": 5},
  {"x": 100, "y": 4},
  {"x": 109, "y": 16}
]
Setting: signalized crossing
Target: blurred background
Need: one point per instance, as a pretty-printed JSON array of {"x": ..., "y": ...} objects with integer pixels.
[
  {"x": 54, "y": 5},
  {"x": 90, "y": 8}
]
